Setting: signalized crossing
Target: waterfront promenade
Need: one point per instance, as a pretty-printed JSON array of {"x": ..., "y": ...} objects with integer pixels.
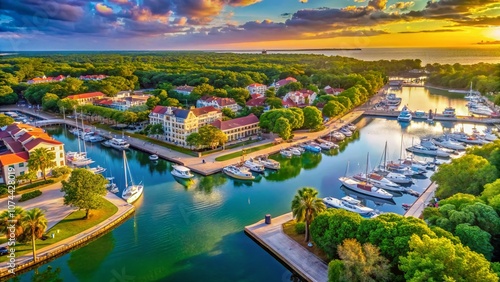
[
  {"x": 295, "y": 256},
  {"x": 26, "y": 261},
  {"x": 421, "y": 203}
]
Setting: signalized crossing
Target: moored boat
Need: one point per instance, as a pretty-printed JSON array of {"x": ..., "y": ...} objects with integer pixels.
[
  {"x": 153, "y": 157},
  {"x": 131, "y": 192},
  {"x": 181, "y": 171},
  {"x": 365, "y": 188},
  {"x": 338, "y": 136},
  {"x": 419, "y": 149},
  {"x": 241, "y": 173},
  {"x": 379, "y": 181},
  {"x": 447, "y": 143},
  {"x": 254, "y": 165},
  {"x": 404, "y": 115},
  {"x": 449, "y": 112},
  {"x": 343, "y": 204},
  {"x": 269, "y": 163},
  {"x": 286, "y": 153},
  {"x": 119, "y": 144},
  {"x": 97, "y": 170}
]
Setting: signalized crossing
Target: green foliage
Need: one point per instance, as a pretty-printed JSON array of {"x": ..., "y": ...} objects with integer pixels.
[
  {"x": 467, "y": 174},
  {"x": 84, "y": 190},
  {"x": 274, "y": 103},
  {"x": 228, "y": 113},
  {"x": 333, "y": 108},
  {"x": 475, "y": 238},
  {"x": 67, "y": 105},
  {"x": 300, "y": 228},
  {"x": 438, "y": 259},
  {"x": 294, "y": 116},
  {"x": 459, "y": 77},
  {"x": 36, "y": 184},
  {"x": 211, "y": 136},
  {"x": 35, "y": 224},
  {"x": 335, "y": 270},
  {"x": 283, "y": 128},
  {"x": 194, "y": 140},
  {"x": 49, "y": 102},
  {"x": 312, "y": 118},
  {"x": 12, "y": 217},
  {"x": 41, "y": 159},
  {"x": 5, "y": 120},
  {"x": 7, "y": 95},
  {"x": 306, "y": 206},
  {"x": 60, "y": 171},
  {"x": 30, "y": 195}
]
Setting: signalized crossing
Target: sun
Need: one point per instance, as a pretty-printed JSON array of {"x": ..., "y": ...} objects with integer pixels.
[{"x": 494, "y": 33}]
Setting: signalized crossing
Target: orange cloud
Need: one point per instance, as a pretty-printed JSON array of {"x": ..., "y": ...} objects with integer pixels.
[{"x": 103, "y": 9}]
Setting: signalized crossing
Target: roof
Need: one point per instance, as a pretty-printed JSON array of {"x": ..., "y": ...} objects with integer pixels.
[
  {"x": 161, "y": 110},
  {"x": 33, "y": 143},
  {"x": 35, "y": 134},
  {"x": 186, "y": 88},
  {"x": 204, "y": 110},
  {"x": 329, "y": 90},
  {"x": 237, "y": 122},
  {"x": 15, "y": 146},
  {"x": 285, "y": 81},
  {"x": 256, "y": 102},
  {"x": 256, "y": 95},
  {"x": 14, "y": 158},
  {"x": 107, "y": 102},
  {"x": 86, "y": 95},
  {"x": 288, "y": 103},
  {"x": 255, "y": 85},
  {"x": 220, "y": 101}
]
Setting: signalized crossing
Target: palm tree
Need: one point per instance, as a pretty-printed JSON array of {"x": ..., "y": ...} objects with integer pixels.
[
  {"x": 9, "y": 217},
  {"x": 35, "y": 224},
  {"x": 306, "y": 205},
  {"x": 41, "y": 159}
]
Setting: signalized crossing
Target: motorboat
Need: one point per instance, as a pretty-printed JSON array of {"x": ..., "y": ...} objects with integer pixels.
[
  {"x": 83, "y": 161},
  {"x": 119, "y": 144},
  {"x": 392, "y": 100},
  {"x": 449, "y": 144},
  {"x": 343, "y": 204},
  {"x": 415, "y": 164},
  {"x": 345, "y": 131},
  {"x": 286, "y": 153},
  {"x": 427, "y": 143},
  {"x": 464, "y": 138},
  {"x": 419, "y": 149},
  {"x": 153, "y": 157},
  {"x": 365, "y": 188},
  {"x": 312, "y": 148},
  {"x": 338, "y": 136},
  {"x": 404, "y": 115},
  {"x": 254, "y": 165},
  {"x": 449, "y": 112},
  {"x": 181, "y": 171},
  {"x": 131, "y": 192},
  {"x": 398, "y": 178},
  {"x": 351, "y": 127},
  {"x": 111, "y": 186},
  {"x": 295, "y": 151},
  {"x": 483, "y": 111},
  {"x": 328, "y": 145},
  {"x": 97, "y": 170},
  {"x": 396, "y": 167},
  {"x": 106, "y": 143},
  {"x": 489, "y": 135},
  {"x": 241, "y": 173},
  {"x": 74, "y": 155},
  {"x": 269, "y": 163},
  {"x": 95, "y": 138},
  {"x": 406, "y": 206},
  {"x": 411, "y": 192},
  {"x": 379, "y": 181}
]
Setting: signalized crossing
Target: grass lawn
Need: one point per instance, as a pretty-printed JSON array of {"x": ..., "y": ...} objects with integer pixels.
[
  {"x": 69, "y": 226},
  {"x": 239, "y": 153},
  {"x": 289, "y": 230},
  {"x": 147, "y": 139}
]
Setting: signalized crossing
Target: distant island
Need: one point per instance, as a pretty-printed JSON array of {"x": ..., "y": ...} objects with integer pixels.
[
  {"x": 315, "y": 49},
  {"x": 489, "y": 42}
]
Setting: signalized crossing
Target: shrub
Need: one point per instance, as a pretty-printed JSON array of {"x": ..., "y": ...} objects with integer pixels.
[
  {"x": 60, "y": 171},
  {"x": 300, "y": 228},
  {"x": 30, "y": 195},
  {"x": 36, "y": 184}
]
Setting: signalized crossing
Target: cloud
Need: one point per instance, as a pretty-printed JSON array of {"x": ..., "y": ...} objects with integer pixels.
[
  {"x": 402, "y": 5},
  {"x": 432, "y": 31},
  {"x": 242, "y": 3},
  {"x": 359, "y": 1},
  {"x": 120, "y": 2},
  {"x": 377, "y": 4},
  {"x": 103, "y": 9}
]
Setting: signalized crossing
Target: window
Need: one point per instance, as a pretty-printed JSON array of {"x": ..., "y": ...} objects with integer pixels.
[
  {"x": 21, "y": 173},
  {"x": 62, "y": 163},
  {"x": 61, "y": 155},
  {"x": 21, "y": 164}
]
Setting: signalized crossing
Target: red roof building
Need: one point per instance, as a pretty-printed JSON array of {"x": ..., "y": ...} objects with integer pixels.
[
  {"x": 184, "y": 90},
  {"x": 87, "y": 98},
  {"x": 239, "y": 128},
  {"x": 283, "y": 82},
  {"x": 256, "y": 102},
  {"x": 333, "y": 91},
  {"x": 218, "y": 103},
  {"x": 257, "y": 88}
]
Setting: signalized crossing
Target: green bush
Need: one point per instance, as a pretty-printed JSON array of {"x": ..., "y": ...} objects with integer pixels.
[
  {"x": 60, "y": 171},
  {"x": 30, "y": 195},
  {"x": 36, "y": 184},
  {"x": 300, "y": 228},
  {"x": 3, "y": 190}
]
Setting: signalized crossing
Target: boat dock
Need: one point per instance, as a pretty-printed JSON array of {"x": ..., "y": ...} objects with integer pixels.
[
  {"x": 297, "y": 258},
  {"x": 421, "y": 203},
  {"x": 436, "y": 117}
]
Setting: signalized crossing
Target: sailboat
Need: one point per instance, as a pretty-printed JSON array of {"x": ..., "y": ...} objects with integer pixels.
[
  {"x": 133, "y": 192},
  {"x": 79, "y": 158},
  {"x": 395, "y": 177}
]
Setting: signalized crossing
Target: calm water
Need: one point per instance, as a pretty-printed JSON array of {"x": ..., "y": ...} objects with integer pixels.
[
  {"x": 194, "y": 231},
  {"x": 471, "y": 55}
]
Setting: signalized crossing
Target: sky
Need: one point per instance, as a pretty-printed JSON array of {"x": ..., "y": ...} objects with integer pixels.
[{"x": 245, "y": 24}]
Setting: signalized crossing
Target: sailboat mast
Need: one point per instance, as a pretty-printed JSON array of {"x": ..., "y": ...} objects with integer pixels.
[
  {"x": 366, "y": 171},
  {"x": 385, "y": 155},
  {"x": 125, "y": 169},
  {"x": 401, "y": 149},
  {"x": 83, "y": 133},
  {"x": 78, "y": 136}
]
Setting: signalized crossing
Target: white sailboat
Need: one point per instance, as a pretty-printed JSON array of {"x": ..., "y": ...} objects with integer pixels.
[
  {"x": 133, "y": 192},
  {"x": 80, "y": 159}
]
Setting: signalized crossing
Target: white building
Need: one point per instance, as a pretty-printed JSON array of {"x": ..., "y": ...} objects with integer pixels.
[
  {"x": 184, "y": 90},
  {"x": 257, "y": 88},
  {"x": 218, "y": 103},
  {"x": 301, "y": 98}
]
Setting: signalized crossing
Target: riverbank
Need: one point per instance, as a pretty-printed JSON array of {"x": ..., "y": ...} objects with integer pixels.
[{"x": 25, "y": 262}]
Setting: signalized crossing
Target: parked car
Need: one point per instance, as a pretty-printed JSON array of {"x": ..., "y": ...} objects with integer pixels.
[{"x": 3, "y": 251}]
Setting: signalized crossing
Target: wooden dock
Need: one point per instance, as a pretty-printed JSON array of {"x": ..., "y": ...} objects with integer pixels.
[
  {"x": 300, "y": 260},
  {"x": 421, "y": 203},
  {"x": 437, "y": 117}
]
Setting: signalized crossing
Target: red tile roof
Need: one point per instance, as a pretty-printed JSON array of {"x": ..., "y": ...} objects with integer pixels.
[
  {"x": 14, "y": 158},
  {"x": 256, "y": 102},
  {"x": 159, "y": 110},
  {"x": 255, "y": 85},
  {"x": 237, "y": 122},
  {"x": 204, "y": 110},
  {"x": 220, "y": 101},
  {"x": 106, "y": 102},
  {"x": 256, "y": 95},
  {"x": 285, "y": 81},
  {"x": 15, "y": 146},
  {"x": 4, "y": 134},
  {"x": 86, "y": 95},
  {"x": 33, "y": 143}
]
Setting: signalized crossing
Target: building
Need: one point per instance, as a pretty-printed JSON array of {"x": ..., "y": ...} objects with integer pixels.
[
  {"x": 238, "y": 128},
  {"x": 45, "y": 79},
  {"x": 301, "y": 98},
  {"x": 283, "y": 82},
  {"x": 122, "y": 103},
  {"x": 87, "y": 98},
  {"x": 257, "y": 88},
  {"x": 179, "y": 123},
  {"x": 184, "y": 90},
  {"x": 18, "y": 141},
  {"x": 333, "y": 91},
  {"x": 93, "y": 77},
  {"x": 218, "y": 103},
  {"x": 256, "y": 102}
]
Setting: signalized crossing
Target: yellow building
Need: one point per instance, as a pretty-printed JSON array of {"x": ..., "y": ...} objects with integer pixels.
[{"x": 239, "y": 128}]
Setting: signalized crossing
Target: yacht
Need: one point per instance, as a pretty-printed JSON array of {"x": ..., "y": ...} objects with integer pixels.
[
  {"x": 462, "y": 137},
  {"x": 286, "y": 153},
  {"x": 365, "y": 188},
  {"x": 119, "y": 144},
  {"x": 328, "y": 145},
  {"x": 419, "y": 149},
  {"x": 131, "y": 192},
  {"x": 489, "y": 135},
  {"x": 97, "y": 170},
  {"x": 398, "y": 178},
  {"x": 392, "y": 100},
  {"x": 241, "y": 173},
  {"x": 81, "y": 161},
  {"x": 345, "y": 131},
  {"x": 181, "y": 171},
  {"x": 379, "y": 181},
  {"x": 347, "y": 205},
  {"x": 106, "y": 143},
  {"x": 153, "y": 157},
  {"x": 95, "y": 138},
  {"x": 295, "y": 151},
  {"x": 338, "y": 136},
  {"x": 312, "y": 148},
  {"x": 254, "y": 165},
  {"x": 269, "y": 163},
  {"x": 449, "y": 144},
  {"x": 449, "y": 112},
  {"x": 404, "y": 115},
  {"x": 483, "y": 111},
  {"x": 351, "y": 127}
]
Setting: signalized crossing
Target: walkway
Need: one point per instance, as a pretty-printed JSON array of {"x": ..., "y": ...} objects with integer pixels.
[
  {"x": 421, "y": 203},
  {"x": 271, "y": 236}
]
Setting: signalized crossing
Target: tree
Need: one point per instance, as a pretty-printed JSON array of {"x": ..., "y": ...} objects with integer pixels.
[
  {"x": 41, "y": 159},
  {"x": 438, "y": 259},
  {"x": 84, "y": 190},
  {"x": 283, "y": 128},
  {"x": 48, "y": 275},
  {"x": 467, "y": 174},
  {"x": 29, "y": 175},
  {"x": 194, "y": 139},
  {"x": 228, "y": 113},
  {"x": 67, "y": 105},
  {"x": 5, "y": 120},
  {"x": 274, "y": 103},
  {"x": 306, "y": 206},
  {"x": 362, "y": 263},
  {"x": 312, "y": 117},
  {"x": 212, "y": 136},
  {"x": 270, "y": 92},
  {"x": 35, "y": 224},
  {"x": 333, "y": 108},
  {"x": 49, "y": 102},
  {"x": 12, "y": 217},
  {"x": 153, "y": 101},
  {"x": 7, "y": 95},
  {"x": 475, "y": 238}
]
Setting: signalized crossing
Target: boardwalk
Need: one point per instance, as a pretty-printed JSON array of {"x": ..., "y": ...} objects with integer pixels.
[
  {"x": 421, "y": 203},
  {"x": 438, "y": 117},
  {"x": 296, "y": 257}
]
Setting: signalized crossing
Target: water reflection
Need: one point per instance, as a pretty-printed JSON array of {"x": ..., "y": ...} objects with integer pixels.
[
  {"x": 364, "y": 198},
  {"x": 208, "y": 183}
]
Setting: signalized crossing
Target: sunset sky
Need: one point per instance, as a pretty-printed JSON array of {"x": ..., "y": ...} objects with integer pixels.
[{"x": 244, "y": 24}]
